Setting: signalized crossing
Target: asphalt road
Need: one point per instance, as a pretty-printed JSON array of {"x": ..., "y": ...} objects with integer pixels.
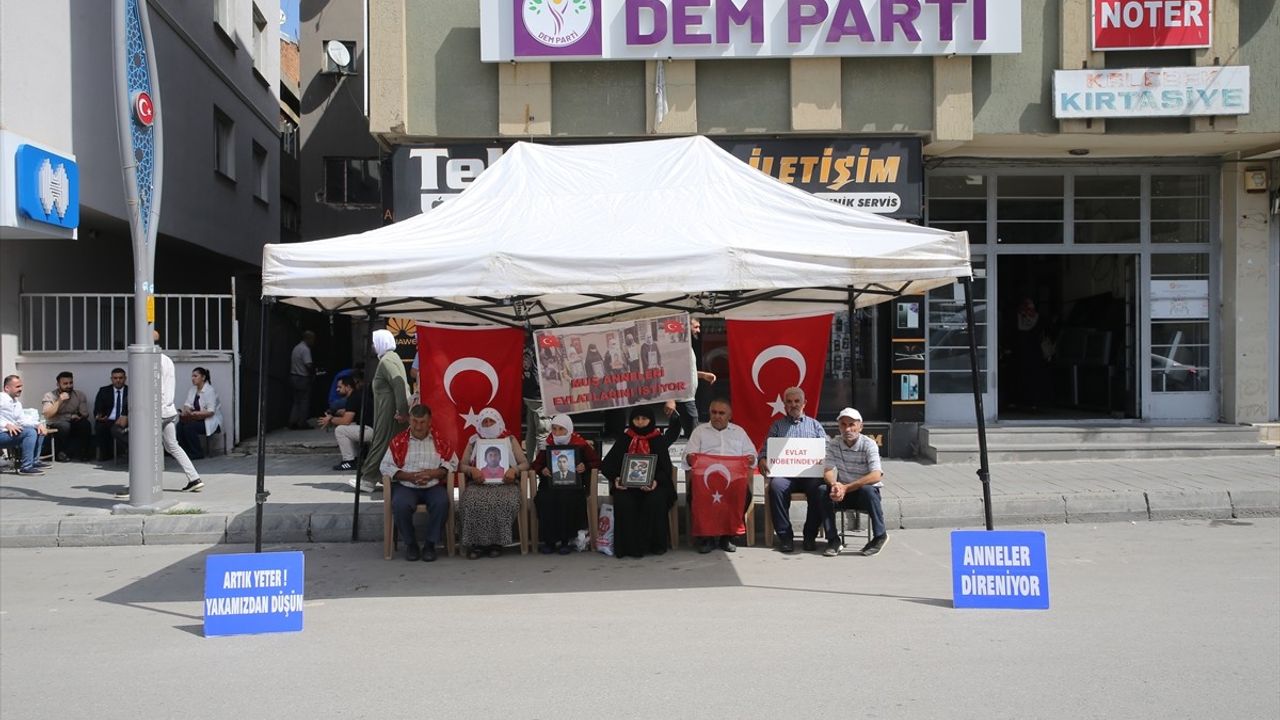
[{"x": 1163, "y": 619}]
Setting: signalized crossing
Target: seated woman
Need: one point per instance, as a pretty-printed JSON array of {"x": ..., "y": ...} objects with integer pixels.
[
  {"x": 492, "y": 498},
  {"x": 562, "y": 508},
  {"x": 640, "y": 514},
  {"x": 200, "y": 415}
]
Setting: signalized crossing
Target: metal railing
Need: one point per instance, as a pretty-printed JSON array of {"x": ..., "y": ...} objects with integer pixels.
[{"x": 88, "y": 323}]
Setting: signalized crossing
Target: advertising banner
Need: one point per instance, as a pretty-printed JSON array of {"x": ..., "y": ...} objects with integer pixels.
[
  {"x": 1151, "y": 92},
  {"x": 252, "y": 593},
  {"x": 550, "y": 30},
  {"x": 615, "y": 365},
  {"x": 1150, "y": 24}
]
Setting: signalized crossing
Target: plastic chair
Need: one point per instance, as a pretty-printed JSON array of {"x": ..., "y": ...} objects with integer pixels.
[
  {"x": 522, "y": 513},
  {"x": 451, "y": 481},
  {"x": 593, "y": 509}
]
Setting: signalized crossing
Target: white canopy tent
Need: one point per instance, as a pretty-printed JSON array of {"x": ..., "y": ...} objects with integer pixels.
[
  {"x": 557, "y": 235},
  {"x": 552, "y": 235}
]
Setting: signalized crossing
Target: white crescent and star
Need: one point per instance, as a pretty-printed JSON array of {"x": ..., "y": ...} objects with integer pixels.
[
  {"x": 470, "y": 418},
  {"x": 717, "y": 469},
  {"x": 777, "y": 352}
]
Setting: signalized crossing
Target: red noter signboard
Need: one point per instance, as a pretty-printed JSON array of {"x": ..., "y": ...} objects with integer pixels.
[{"x": 1146, "y": 24}]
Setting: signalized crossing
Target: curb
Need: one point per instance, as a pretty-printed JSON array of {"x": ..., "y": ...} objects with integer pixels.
[{"x": 282, "y": 526}]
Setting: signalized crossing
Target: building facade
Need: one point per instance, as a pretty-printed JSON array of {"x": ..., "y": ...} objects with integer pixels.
[
  {"x": 65, "y": 292},
  {"x": 1115, "y": 168}
]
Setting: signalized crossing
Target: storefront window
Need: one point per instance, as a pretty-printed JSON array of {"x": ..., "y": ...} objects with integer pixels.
[
  {"x": 1180, "y": 208},
  {"x": 949, "y": 337},
  {"x": 1180, "y": 348},
  {"x": 1108, "y": 209},
  {"x": 1029, "y": 209},
  {"x": 959, "y": 203}
]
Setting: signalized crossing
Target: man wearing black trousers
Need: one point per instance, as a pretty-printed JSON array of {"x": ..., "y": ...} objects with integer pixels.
[{"x": 111, "y": 414}]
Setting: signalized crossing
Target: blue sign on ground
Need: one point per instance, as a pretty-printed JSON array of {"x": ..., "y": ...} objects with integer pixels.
[
  {"x": 999, "y": 569},
  {"x": 251, "y": 593}
]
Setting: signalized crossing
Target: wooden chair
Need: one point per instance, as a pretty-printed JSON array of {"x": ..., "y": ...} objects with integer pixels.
[
  {"x": 768, "y": 514},
  {"x": 593, "y": 509},
  {"x": 452, "y": 481},
  {"x": 522, "y": 514}
]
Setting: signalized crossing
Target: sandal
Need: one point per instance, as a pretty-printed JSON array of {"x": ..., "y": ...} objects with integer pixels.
[
  {"x": 494, "y": 551},
  {"x": 473, "y": 554}
]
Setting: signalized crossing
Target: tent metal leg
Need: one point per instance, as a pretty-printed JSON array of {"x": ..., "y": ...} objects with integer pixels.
[
  {"x": 264, "y": 338},
  {"x": 984, "y": 472},
  {"x": 369, "y": 369}
]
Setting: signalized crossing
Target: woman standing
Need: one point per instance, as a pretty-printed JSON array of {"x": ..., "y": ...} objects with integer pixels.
[
  {"x": 200, "y": 415},
  {"x": 562, "y": 510},
  {"x": 491, "y": 500},
  {"x": 640, "y": 514}
]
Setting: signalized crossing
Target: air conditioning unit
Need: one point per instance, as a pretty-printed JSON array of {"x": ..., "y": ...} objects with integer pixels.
[{"x": 340, "y": 57}]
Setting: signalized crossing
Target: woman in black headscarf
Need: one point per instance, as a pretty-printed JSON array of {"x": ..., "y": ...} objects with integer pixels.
[{"x": 640, "y": 514}]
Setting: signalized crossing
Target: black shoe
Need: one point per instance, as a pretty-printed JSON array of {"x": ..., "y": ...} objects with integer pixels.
[
  {"x": 726, "y": 544},
  {"x": 30, "y": 471},
  {"x": 42, "y": 465},
  {"x": 876, "y": 545},
  {"x": 429, "y": 552},
  {"x": 833, "y": 549},
  {"x": 62, "y": 457},
  {"x": 705, "y": 545},
  {"x": 809, "y": 545},
  {"x": 411, "y": 552},
  {"x": 194, "y": 486},
  {"x": 787, "y": 546},
  {"x": 345, "y": 465}
]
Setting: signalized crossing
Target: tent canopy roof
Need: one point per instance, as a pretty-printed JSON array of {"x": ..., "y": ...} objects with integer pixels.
[{"x": 554, "y": 235}]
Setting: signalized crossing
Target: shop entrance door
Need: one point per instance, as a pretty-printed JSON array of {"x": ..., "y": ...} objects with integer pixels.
[{"x": 1067, "y": 336}]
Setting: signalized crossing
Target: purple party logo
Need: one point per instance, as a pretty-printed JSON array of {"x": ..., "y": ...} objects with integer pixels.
[{"x": 557, "y": 27}]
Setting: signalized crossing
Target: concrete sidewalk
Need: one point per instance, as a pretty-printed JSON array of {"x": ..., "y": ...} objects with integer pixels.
[{"x": 70, "y": 505}]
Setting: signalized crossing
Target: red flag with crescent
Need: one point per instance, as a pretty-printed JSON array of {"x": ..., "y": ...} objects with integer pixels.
[
  {"x": 463, "y": 370},
  {"x": 768, "y": 356},
  {"x": 718, "y": 488}
]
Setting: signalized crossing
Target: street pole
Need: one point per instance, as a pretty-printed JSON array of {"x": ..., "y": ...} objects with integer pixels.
[
  {"x": 141, "y": 146},
  {"x": 984, "y": 471}
]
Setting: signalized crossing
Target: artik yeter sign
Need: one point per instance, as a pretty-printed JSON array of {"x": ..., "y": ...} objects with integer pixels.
[{"x": 548, "y": 30}]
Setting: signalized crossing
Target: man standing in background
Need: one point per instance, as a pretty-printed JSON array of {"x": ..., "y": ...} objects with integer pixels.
[{"x": 301, "y": 371}]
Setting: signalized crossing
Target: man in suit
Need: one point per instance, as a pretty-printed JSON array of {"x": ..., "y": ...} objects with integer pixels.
[
  {"x": 564, "y": 475},
  {"x": 111, "y": 414}
]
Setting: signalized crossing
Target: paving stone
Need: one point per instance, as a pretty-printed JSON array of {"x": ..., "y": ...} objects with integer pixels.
[
  {"x": 1106, "y": 507},
  {"x": 98, "y": 531},
  {"x": 35, "y": 532},
  {"x": 1169, "y": 505},
  {"x": 942, "y": 512},
  {"x": 278, "y": 526},
  {"x": 203, "y": 529},
  {"x": 1043, "y": 509},
  {"x": 1255, "y": 503}
]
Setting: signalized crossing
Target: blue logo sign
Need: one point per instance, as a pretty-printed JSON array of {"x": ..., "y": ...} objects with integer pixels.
[
  {"x": 251, "y": 593},
  {"x": 999, "y": 569},
  {"x": 48, "y": 187}
]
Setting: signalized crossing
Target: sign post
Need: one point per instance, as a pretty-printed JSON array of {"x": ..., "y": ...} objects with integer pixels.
[{"x": 141, "y": 143}]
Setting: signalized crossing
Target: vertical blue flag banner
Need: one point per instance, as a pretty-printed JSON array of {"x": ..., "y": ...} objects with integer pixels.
[
  {"x": 252, "y": 593},
  {"x": 1001, "y": 569}
]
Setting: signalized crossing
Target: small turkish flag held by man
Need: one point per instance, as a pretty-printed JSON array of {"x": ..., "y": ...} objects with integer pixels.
[
  {"x": 463, "y": 370},
  {"x": 768, "y": 356},
  {"x": 718, "y": 486}
]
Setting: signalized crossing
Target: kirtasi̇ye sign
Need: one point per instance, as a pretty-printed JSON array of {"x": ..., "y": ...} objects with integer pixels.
[
  {"x": 48, "y": 186},
  {"x": 1151, "y": 92},
  {"x": 999, "y": 569},
  {"x": 1149, "y": 24},
  {"x": 726, "y": 29},
  {"x": 879, "y": 175},
  {"x": 251, "y": 593}
]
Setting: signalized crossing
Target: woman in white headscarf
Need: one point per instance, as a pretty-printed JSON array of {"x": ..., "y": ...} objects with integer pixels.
[
  {"x": 492, "y": 498},
  {"x": 562, "y": 507},
  {"x": 390, "y": 388}
]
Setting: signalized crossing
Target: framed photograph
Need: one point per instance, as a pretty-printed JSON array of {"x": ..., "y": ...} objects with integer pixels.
[
  {"x": 637, "y": 470},
  {"x": 563, "y": 464},
  {"x": 493, "y": 457}
]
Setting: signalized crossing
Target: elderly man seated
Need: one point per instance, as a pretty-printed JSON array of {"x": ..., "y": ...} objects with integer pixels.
[
  {"x": 420, "y": 462},
  {"x": 854, "y": 476}
]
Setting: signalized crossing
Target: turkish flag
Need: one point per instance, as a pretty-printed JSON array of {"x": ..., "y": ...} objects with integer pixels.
[
  {"x": 768, "y": 356},
  {"x": 718, "y": 487},
  {"x": 463, "y": 370}
]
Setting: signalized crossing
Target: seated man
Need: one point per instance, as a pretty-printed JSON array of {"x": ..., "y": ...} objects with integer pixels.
[
  {"x": 421, "y": 464},
  {"x": 111, "y": 414},
  {"x": 794, "y": 424},
  {"x": 345, "y": 419},
  {"x": 66, "y": 410},
  {"x": 853, "y": 472},
  {"x": 17, "y": 431},
  {"x": 719, "y": 437}
]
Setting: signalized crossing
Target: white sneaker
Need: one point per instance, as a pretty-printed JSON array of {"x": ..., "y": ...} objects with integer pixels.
[{"x": 365, "y": 486}]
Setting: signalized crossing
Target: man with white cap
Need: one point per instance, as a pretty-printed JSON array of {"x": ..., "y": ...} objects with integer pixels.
[
  {"x": 854, "y": 474},
  {"x": 390, "y": 408}
]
